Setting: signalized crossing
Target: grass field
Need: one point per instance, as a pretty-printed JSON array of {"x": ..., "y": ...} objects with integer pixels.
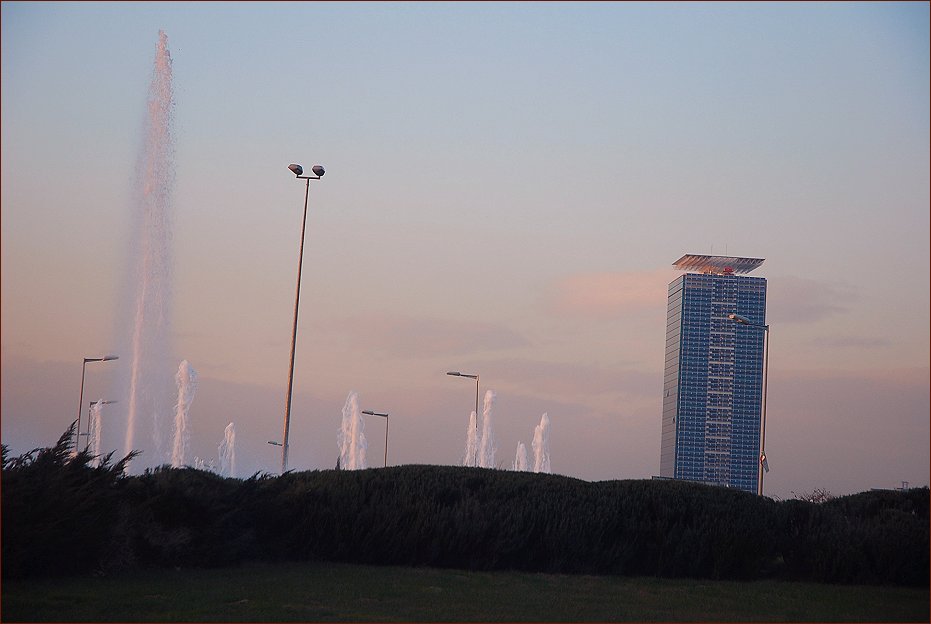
[{"x": 313, "y": 592}]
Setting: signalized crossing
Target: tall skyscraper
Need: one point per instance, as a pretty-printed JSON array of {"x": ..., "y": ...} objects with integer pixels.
[{"x": 713, "y": 383}]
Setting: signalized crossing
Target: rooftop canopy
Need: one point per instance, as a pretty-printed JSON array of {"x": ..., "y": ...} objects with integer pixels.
[{"x": 716, "y": 264}]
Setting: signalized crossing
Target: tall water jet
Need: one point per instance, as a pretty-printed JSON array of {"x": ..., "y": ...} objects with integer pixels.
[
  {"x": 186, "y": 380},
  {"x": 148, "y": 287},
  {"x": 541, "y": 445},
  {"x": 351, "y": 436},
  {"x": 227, "y": 451},
  {"x": 94, "y": 430},
  {"x": 486, "y": 449},
  {"x": 520, "y": 460},
  {"x": 471, "y": 451}
]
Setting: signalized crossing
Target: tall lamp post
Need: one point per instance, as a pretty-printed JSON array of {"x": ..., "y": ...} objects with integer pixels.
[
  {"x": 298, "y": 172},
  {"x": 764, "y": 464},
  {"x": 385, "y": 416},
  {"x": 106, "y": 358}
]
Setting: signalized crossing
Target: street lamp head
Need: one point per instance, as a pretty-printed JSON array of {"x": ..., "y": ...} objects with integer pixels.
[
  {"x": 318, "y": 170},
  {"x": 105, "y": 358},
  {"x": 454, "y": 373},
  {"x": 743, "y": 320},
  {"x": 296, "y": 169}
]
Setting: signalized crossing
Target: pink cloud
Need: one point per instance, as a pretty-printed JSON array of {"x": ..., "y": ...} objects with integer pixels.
[{"x": 609, "y": 295}]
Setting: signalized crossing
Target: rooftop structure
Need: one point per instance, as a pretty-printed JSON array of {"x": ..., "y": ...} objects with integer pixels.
[{"x": 697, "y": 263}]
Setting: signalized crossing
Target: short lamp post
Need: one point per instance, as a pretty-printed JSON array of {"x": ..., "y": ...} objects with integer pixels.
[
  {"x": 469, "y": 460},
  {"x": 385, "y": 416},
  {"x": 298, "y": 171},
  {"x": 764, "y": 464},
  {"x": 106, "y": 358},
  {"x": 475, "y": 377}
]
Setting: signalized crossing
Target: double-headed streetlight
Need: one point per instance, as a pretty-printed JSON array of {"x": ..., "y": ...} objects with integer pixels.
[
  {"x": 318, "y": 173},
  {"x": 385, "y": 416},
  {"x": 106, "y": 358},
  {"x": 764, "y": 464}
]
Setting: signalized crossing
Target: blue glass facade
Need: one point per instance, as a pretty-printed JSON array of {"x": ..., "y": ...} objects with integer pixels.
[{"x": 713, "y": 382}]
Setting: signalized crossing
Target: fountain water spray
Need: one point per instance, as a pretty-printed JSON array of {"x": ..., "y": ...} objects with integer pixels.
[
  {"x": 186, "y": 380},
  {"x": 351, "y": 436},
  {"x": 149, "y": 282},
  {"x": 541, "y": 445},
  {"x": 486, "y": 449},
  {"x": 520, "y": 461},
  {"x": 93, "y": 431},
  {"x": 471, "y": 442},
  {"x": 204, "y": 464},
  {"x": 227, "y": 451}
]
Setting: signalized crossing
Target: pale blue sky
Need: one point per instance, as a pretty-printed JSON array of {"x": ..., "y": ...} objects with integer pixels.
[{"x": 507, "y": 186}]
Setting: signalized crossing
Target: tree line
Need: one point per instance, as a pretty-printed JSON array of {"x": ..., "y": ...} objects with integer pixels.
[{"x": 67, "y": 513}]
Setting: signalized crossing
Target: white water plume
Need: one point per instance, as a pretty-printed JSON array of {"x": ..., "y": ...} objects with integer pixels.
[
  {"x": 471, "y": 442},
  {"x": 94, "y": 431},
  {"x": 486, "y": 449},
  {"x": 147, "y": 300},
  {"x": 227, "y": 451},
  {"x": 541, "y": 446},
  {"x": 520, "y": 460},
  {"x": 351, "y": 436},
  {"x": 204, "y": 464},
  {"x": 186, "y": 380}
]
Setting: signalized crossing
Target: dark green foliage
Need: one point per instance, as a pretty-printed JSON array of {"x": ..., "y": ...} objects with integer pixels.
[
  {"x": 870, "y": 537},
  {"x": 186, "y": 517},
  {"x": 58, "y": 510},
  {"x": 60, "y": 515}
]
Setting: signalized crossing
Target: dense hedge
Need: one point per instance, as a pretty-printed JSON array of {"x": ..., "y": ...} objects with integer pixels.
[
  {"x": 57, "y": 510},
  {"x": 60, "y": 515}
]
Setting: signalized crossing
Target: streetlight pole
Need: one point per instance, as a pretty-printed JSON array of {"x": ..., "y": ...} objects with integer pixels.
[
  {"x": 385, "y": 416},
  {"x": 764, "y": 465},
  {"x": 318, "y": 173},
  {"x": 106, "y": 358}
]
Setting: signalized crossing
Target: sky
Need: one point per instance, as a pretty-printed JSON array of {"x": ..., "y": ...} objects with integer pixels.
[{"x": 507, "y": 188}]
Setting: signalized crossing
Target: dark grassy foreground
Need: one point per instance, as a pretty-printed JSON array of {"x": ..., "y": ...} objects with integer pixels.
[{"x": 290, "y": 592}]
